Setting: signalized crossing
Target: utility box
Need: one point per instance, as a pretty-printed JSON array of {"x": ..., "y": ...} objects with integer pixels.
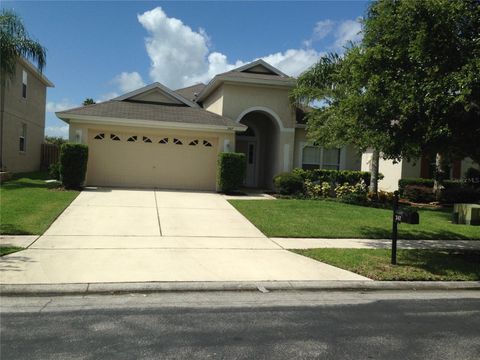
[{"x": 468, "y": 214}]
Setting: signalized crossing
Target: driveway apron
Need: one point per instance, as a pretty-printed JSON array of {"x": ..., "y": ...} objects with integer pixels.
[{"x": 124, "y": 235}]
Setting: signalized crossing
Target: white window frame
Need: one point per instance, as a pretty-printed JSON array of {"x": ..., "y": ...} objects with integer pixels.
[
  {"x": 22, "y": 135},
  {"x": 24, "y": 84},
  {"x": 321, "y": 164}
]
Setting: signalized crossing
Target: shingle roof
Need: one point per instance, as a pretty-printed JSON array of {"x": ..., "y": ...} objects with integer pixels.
[
  {"x": 150, "y": 111},
  {"x": 249, "y": 75},
  {"x": 190, "y": 92}
]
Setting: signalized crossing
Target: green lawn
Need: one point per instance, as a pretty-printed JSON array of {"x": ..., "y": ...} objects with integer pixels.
[
  {"x": 5, "y": 250},
  {"x": 420, "y": 265},
  {"x": 331, "y": 219},
  {"x": 28, "y": 205}
]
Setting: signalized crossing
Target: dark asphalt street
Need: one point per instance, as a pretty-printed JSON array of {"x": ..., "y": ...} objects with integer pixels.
[{"x": 243, "y": 326}]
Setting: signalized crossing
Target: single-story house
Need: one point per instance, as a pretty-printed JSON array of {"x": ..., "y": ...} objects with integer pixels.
[{"x": 157, "y": 137}]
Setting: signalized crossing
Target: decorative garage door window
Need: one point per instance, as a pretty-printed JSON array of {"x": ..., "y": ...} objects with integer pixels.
[
  {"x": 132, "y": 138},
  {"x": 163, "y": 141},
  {"x": 207, "y": 143},
  {"x": 146, "y": 140},
  {"x": 114, "y": 137},
  {"x": 193, "y": 142},
  {"x": 100, "y": 136},
  {"x": 177, "y": 142}
]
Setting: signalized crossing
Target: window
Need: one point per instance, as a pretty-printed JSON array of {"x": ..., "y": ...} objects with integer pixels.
[
  {"x": 193, "y": 143},
  {"x": 146, "y": 140},
  {"x": 163, "y": 141},
  {"x": 177, "y": 142},
  {"x": 114, "y": 137},
  {"x": 100, "y": 136},
  {"x": 23, "y": 138},
  {"x": 315, "y": 157},
  {"x": 24, "y": 84},
  {"x": 206, "y": 143},
  {"x": 132, "y": 138}
]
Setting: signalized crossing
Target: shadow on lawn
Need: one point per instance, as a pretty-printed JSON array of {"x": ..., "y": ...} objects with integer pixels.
[
  {"x": 12, "y": 229},
  {"x": 443, "y": 262},
  {"x": 371, "y": 232}
]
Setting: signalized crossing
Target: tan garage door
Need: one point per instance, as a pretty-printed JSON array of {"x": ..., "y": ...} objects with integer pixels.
[{"x": 164, "y": 160}]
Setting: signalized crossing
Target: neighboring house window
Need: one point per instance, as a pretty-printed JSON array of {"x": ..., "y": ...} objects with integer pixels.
[
  {"x": 23, "y": 138},
  {"x": 315, "y": 157},
  {"x": 24, "y": 84}
]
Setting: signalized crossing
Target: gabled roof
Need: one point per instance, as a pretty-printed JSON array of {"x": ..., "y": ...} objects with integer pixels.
[
  {"x": 134, "y": 113},
  {"x": 247, "y": 74},
  {"x": 161, "y": 88},
  {"x": 191, "y": 92},
  {"x": 256, "y": 65}
]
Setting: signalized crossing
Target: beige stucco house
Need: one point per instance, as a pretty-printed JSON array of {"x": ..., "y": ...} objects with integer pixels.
[
  {"x": 23, "y": 126},
  {"x": 156, "y": 137}
]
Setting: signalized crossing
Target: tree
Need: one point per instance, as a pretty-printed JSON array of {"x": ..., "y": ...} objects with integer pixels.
[
  {"x": 56, "y": 140},
  {"x": 412, "y": 84},
  {"x": 88, "y": 101},
  {"x": 14, "y": 43}
]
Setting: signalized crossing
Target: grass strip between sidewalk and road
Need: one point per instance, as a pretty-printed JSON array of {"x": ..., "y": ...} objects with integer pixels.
[
  {"x": 331, "y": 219},
  {"x": 412, "y": 265},
  {"x": 29, "y": 205},
  {"x": 5, "y": 250}
]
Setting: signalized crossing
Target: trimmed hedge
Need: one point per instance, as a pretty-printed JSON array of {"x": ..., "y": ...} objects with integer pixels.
[
  {"x": 231, "y": 171},
  {"x": 73, "y": 164},
  {"x": 402, "y": 183},
  {"x": 288, "y": 183},
  {"x": 335, "y": 176}
]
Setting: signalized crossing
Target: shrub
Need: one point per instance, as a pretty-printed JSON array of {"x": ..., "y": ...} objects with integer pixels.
[
  {"x": 344, "y": 190},
  {"x": 355, "y": 198},
  {"x": 472, "y": 177},
  {"x": 315, "y": 190},
  {"x": 463, "y": 194},
  {"x": 231, "y": 171},
  {"x": 418, "y": 194},
  {"x": 73, "y": 164},
  {"x": 54, "y": 171},
  {"x": 335, "y": 177},
  {"x": 402, "y": 183},
  {"x": 288, "y": 184}
]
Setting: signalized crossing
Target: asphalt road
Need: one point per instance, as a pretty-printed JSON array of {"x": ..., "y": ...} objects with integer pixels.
[{"x": 293, "y": 325}]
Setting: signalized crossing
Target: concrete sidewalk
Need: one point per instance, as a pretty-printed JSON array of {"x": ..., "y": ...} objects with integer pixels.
[
  {"x": 313, "y": 243},
  {"x": 118, "y": 235}
]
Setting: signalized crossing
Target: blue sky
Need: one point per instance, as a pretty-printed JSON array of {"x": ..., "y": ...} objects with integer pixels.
[{"x": 103, "y": 49}]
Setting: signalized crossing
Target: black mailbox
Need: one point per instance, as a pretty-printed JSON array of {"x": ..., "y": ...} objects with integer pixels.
[{"x": 407, "y": 216}]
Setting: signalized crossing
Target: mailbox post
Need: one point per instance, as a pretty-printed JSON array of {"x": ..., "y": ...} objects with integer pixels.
[{"x": 409, "y": 217}]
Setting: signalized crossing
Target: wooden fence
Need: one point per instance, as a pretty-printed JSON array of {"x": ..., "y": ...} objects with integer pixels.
[{"x": 50, "y": 155}]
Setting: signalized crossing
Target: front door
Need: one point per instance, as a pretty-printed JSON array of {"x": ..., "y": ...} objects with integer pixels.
[{"x": 251, "y": 160}]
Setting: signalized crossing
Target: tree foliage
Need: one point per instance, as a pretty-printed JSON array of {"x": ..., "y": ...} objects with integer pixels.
[
  {"x": 411, "y": 87},
  {"x": 88, "y": 101}
]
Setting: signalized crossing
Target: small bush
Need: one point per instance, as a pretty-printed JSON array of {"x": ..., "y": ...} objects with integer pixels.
[
  {"x": 402, "y": 183},
  {"x": 316, "y": 190},
  {"x": 73, "y": 165},
  {"x": 355, "y": 198},
  {"x": 472, "y": 177},
  {"x": 418, "y": 194},
  {"x": 464, "y": 194},
  {"x": 54, "y": 171},
  {"x": 288, "y": 184},
  {"x": 231, "y": 171},
  {"x": 344, "y": 190}
]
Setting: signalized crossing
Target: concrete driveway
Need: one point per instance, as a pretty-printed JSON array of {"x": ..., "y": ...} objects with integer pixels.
[{"x": 119, "y": 235}]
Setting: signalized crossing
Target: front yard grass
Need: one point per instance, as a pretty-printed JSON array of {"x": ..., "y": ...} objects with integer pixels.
[
  {"x": 419, "y": 265},
  {"x": 28, "y": 205},
  {"x": 331, "y": 219},
  {"x": 5, "y": 250}
]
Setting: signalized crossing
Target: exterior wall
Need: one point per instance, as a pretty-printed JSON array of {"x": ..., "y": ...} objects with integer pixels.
[
  {"x": 391, "y": 172},
  {"x": 30, "y": 111},
  {"x": 214, "y": 103},
  {"x": 300, "y": 142},
  {"x": 175, "y": 163}
]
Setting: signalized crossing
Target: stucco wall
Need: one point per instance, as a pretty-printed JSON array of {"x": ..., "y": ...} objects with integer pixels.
[
  {"x": 30, "y": 111},
  {"x": 214, "y": 102},
  {"x": 391, "y": 172}
]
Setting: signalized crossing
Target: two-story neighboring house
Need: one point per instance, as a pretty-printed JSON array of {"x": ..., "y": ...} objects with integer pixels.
[{"x": 23, "y": 127}]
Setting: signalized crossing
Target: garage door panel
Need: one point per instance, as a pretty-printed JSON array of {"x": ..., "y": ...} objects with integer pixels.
[{"x": 152, "y": 164}]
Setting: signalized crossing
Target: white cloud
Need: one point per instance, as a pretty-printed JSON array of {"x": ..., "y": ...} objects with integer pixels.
[
  {"x": 53, "y": 106},
  {"x": 348, "y": 30},
  {"x": 181, "y": 56},
  {"x": 127, "y": 82},
  {"x": 322, "y": 29},
  {"x": 59, "y": 131}
]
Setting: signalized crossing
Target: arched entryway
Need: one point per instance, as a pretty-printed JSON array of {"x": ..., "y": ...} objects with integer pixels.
[{"x": 260, "y": 145}]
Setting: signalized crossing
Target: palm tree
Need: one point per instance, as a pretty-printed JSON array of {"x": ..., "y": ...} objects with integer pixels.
[{"x": 14, "y": 43}]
